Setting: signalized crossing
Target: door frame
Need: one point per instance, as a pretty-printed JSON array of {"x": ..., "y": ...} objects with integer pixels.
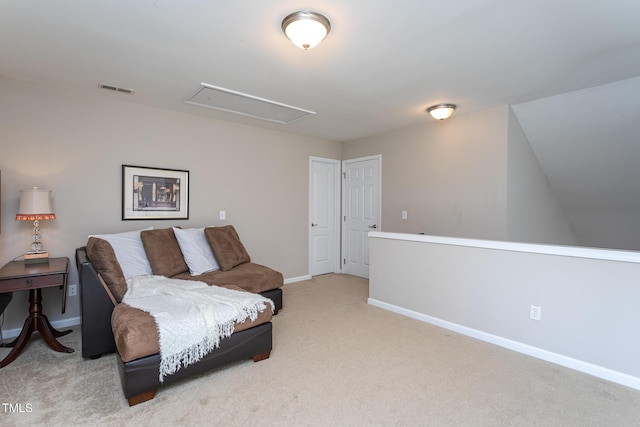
[
  {"x": 337, "y": 208},
  {"x": 378, "y": 158}
]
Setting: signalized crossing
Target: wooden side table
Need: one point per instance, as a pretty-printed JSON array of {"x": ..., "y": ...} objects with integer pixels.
[{"x": 18, "y": 276}]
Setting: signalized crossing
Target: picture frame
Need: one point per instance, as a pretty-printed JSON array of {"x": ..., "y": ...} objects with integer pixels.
[{"x": 154, "y": 193}]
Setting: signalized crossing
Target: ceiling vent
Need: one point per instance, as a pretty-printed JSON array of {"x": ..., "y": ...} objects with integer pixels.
[
  {"x": 116, "y": 88},
  {"x": 246, "y": 105}
]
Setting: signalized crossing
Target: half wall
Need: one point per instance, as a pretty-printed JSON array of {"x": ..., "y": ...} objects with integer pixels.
[{"x": 485, "y": 289}]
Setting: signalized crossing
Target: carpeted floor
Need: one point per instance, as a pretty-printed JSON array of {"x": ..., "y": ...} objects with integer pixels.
[{"x": 335, "y": 361}]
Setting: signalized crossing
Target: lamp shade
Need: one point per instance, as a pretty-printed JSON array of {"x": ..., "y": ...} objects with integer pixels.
[
  {"x": 306, "y": 29},
  {"x": 441, "y": 111},
  {"x": 35, "y": 205}
]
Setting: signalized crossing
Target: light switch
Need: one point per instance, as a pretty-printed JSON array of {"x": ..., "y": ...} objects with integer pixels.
[
  {"x": 223, "y": 215},
  {"x": 404, "y": 214}
]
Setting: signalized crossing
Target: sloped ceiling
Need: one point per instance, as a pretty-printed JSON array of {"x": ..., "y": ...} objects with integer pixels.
[
  {"x": 588, "y": 144},
  {"x": 382, "y": 64}
]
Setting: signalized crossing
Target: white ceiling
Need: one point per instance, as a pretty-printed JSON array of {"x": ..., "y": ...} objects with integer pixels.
[{"x": 382, "y": 64}]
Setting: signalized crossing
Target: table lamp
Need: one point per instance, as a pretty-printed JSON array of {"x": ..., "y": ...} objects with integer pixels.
[{"x": 35, "y": 205}]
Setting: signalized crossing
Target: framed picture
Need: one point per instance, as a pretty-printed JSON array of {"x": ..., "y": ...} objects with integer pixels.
[{"x": 154, "y": 193}]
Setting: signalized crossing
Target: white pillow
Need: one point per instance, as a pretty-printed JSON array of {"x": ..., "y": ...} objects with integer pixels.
[
  {"x": 129, "y": 252},
  {"x": 196, "y": 250}
]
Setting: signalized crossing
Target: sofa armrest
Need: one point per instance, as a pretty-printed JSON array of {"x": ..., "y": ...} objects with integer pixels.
[{"x": 96, "y": 308}]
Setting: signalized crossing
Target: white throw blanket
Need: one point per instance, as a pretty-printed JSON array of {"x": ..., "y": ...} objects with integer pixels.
[{"x": 192, "y": 317}]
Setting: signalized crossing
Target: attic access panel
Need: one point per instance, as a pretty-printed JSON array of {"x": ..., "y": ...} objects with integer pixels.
[{"x": 234, "y": 102}]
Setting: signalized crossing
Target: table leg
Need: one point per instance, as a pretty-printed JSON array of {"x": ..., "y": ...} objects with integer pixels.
[
  {"x": 49, "y": 334},
  {"x": 36, "y": 321},
  {"x": 54, "y": 331},
  {"x": 20, "y": 342}
]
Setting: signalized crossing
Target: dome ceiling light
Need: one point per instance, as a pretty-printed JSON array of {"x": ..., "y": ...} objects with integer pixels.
[
  {"x": 306, "y": 29},
  {"x": 441, "y": 111}
]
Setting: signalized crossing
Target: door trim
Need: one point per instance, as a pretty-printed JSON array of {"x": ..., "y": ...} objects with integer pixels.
[
  {"x": 378, "y": 158},
  {"x": 337, "y": 265}
]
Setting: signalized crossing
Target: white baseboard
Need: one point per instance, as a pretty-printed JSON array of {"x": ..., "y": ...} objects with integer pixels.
[
  {"x": 297, "y": 279},
  {"x": 559, "y": 359},
  {"x": 58, "y": 324}
]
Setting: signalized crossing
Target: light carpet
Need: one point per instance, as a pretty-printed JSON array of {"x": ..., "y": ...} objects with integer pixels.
[{"x": 336, "y": 361}]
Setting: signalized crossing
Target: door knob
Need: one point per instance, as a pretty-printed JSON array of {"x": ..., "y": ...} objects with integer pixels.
[
  {"x": 313, "y": 225},
  {"x": 373, "y": 226}
]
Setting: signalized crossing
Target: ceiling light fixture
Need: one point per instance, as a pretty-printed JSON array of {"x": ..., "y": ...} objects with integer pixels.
[
  {"x": 306, "y": 29},
  {"x": 441, "y": 111}
]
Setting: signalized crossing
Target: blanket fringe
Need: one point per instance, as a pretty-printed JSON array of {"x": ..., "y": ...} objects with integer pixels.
[{"x": 172, "y": 363}]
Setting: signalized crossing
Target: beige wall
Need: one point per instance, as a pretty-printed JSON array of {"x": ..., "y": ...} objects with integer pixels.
[
  {"x": 75, "y": 146},
  {"x": 473, "y": 176},
  {"x": 450, "y": 176}
]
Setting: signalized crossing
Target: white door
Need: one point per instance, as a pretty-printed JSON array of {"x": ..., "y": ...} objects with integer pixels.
[
  {"x": 361, "y": 212},
  {"x": 324, "y": 214}
]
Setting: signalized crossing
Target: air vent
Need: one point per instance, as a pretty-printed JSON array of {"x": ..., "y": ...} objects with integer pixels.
[
  {"x": 234, "y": 102},
  {"x": 116, "y": 88}
]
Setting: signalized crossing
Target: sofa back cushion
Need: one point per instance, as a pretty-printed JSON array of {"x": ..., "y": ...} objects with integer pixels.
[
  {"x": 196, "y": 250},
  {"x": 103, "y": 258},
  {"x": 163, "y": 252},
  {"x": 129, "y": 252},
  {"x": 226, "y": 246}
]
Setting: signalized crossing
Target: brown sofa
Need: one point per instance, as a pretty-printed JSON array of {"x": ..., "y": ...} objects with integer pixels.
[{"x": 109, "y": 325}]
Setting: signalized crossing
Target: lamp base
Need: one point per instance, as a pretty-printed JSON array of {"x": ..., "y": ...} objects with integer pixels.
[{"x": 36, "y": 257}]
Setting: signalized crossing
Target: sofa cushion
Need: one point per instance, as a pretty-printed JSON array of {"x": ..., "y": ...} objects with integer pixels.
[
  {"x": 196, "y": 250},
  {"x": 129, "y": 252},
  {"x": 163, "y": 252},
  {"x": 101, "y": 254},
  {"x": 226, "y": 246},
  {"x": 136, "y": 334},
  {"x": 247, "y": 276}
]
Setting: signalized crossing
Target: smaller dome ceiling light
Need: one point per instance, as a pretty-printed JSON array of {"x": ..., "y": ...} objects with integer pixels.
[
  {"x": 306, "y": 29},
  {"x": 441, "y": 111}
]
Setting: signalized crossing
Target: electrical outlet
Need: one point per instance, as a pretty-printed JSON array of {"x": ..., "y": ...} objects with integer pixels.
[
  {"x": 223, "y": 215},
  {"x": 73, "y": 290},
  {"x": 535, "y": 312},
  {"x": 404, "y": 214}
]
